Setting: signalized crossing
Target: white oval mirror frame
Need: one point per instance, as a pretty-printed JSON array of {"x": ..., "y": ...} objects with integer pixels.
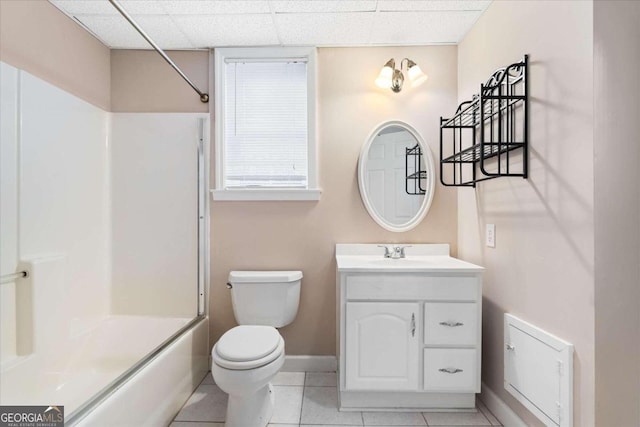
[{"x": 430, "y": 170}]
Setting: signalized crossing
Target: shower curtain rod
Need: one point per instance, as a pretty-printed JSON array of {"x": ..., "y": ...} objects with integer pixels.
[{"x": 204, "y": 97}]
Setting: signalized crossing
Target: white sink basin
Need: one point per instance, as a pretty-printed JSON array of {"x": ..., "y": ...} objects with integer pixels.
[
  {"x": 402, "y": 262},
  {"x": 419, "y": 258}
]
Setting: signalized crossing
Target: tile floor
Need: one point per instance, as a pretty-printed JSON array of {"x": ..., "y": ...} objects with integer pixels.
[{"x": 310, "y": 400}]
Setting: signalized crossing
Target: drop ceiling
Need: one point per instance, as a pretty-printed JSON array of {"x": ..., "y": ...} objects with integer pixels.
[{"x": 195, "y": 24}]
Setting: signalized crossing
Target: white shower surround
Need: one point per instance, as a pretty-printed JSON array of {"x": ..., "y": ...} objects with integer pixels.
[
  {"x": 54, "y": 203},
  {"x": 59, "y": 327}
]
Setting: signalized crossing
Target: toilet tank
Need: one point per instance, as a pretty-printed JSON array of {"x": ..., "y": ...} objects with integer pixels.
[{"x": 265, "y": 297}]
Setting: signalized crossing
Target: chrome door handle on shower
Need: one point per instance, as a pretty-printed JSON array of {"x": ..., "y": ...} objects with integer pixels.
[{"x": 413, "y": 324}]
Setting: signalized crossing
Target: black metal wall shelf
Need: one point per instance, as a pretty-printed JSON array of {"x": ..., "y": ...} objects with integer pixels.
[
  {"x": 414, "y": 171},
  {"x": 484, "y": 132}
]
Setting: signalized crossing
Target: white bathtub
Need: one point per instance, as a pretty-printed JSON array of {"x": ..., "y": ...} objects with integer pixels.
[{"x": 86, "y": 363}]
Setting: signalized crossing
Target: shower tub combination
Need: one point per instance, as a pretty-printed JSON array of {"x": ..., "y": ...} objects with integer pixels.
[
  {"x": 95, "y": 367},
  {"x": 110, "y": 321}
]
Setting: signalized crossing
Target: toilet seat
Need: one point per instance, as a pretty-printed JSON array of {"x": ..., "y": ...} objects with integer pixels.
[{"x": 248, "y": 347}]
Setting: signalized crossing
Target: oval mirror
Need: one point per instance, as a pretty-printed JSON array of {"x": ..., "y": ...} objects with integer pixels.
[{"x": 396, "y": 176}]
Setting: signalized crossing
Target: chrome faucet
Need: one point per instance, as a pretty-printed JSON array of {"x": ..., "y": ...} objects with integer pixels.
[{"x": 394, "y": 252}]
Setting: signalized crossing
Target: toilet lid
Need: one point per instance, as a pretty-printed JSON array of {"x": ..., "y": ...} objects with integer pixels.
[{"x": 248, "y": 342}]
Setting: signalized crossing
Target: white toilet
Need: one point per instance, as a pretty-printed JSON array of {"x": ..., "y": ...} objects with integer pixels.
[{"x": 247, "y": 357}]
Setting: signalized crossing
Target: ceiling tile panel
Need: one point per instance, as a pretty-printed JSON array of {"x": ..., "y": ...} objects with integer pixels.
[
  {"x": 74, "y": 7},
  {"x": 187, "y": 24},
  {"x": 103, "y": 7},
  {"x": 214, "y": 7},
  {"x": 228, "y": 30},
  {"x": 411, "y": 28},
  {"x": 322, "y": 6},
  {"x": 431, "y": 5},
  {"x": 325, "y": 29},
  {"x": 117, "y": 33}
]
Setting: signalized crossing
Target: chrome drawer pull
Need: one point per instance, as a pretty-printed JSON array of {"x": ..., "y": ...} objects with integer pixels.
[
  {"x": 451, "y": 324},
  {"x": 413, "y": 324},
  {"x": 450, "y": 370}
]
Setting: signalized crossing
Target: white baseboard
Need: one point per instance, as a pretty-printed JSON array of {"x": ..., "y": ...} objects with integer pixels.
[
  {"x": 501, "y": 410},
  {"x": 309, "y": 364}
]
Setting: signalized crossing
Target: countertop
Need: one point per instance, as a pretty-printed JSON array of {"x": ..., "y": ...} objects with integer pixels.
[{"x": 419, "y": 259}]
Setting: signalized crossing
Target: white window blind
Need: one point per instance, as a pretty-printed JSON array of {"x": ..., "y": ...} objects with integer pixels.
[{"x": 265, "y": 124}]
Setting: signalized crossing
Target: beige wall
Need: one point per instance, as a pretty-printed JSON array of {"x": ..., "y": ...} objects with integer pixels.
[
  {"x": 141, "y": 81},
  {"x": 302, "y": 235},
  {"x": 542, "y": 266},
  {"x": 39, "y": 39},
  {"x": 617, "y": 212}
]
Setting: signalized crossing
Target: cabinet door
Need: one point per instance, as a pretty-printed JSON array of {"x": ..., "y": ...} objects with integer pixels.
[{"x": 382, "y": 346}]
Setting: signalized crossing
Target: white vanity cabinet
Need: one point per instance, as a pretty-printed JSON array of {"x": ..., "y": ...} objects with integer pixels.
[{"x": 409, "y": 330}]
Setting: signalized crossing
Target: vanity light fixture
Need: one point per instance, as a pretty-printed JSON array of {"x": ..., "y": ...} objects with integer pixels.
[{"x": 392, "y": 78}]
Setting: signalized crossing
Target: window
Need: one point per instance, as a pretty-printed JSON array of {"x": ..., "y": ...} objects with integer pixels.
[{"x": 265, "y": 124}]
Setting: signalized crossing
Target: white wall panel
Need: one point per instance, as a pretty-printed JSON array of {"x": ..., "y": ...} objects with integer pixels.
[
  {"x": 54, "y": 200},
  {"x": 63, "y": 202},
  {"x": 8, "y": 205},
  {"x": 154, "y": 208}
]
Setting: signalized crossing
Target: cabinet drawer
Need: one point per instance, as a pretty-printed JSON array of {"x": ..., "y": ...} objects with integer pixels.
[
  {"x": 450, "y": 369},
  {"x": 450, "y": 323},
  {"x": 412, "y": 287}
]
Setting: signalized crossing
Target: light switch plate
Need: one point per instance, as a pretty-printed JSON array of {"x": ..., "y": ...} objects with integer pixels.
[{"x": 490, "y": 235}]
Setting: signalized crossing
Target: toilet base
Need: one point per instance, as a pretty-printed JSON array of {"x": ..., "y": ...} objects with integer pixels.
[{"x": 251, "y": 411}]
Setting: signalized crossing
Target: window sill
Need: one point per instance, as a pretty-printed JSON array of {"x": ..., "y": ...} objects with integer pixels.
[{"x": 265, "y": 194}]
